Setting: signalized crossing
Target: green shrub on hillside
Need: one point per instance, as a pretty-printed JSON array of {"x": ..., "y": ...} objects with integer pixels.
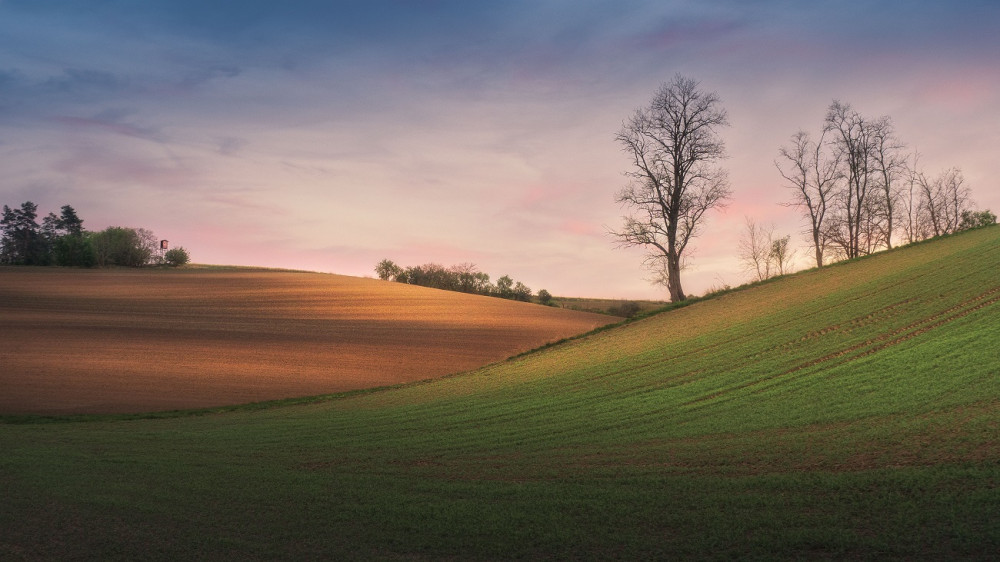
[
  {"x": 177, "y": 256},
  {"x": 976, "y": 219},
  {"x": 545, "y": 297},
  {"x": 625, "y": 309}
]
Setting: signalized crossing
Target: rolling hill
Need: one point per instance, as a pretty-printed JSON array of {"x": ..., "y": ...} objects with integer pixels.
[
  {"x": 851, "y": 412},
  {"x": 124, "y": 340}
]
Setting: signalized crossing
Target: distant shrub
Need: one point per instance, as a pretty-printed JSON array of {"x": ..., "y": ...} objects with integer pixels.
[
  {"x": 387, "y": 270},
  {"x": 74, "y": 250},
  {"x": 718, "y": 289},
  {"x": 123, "y": 246},
  {"x": 464, "y": 277},
  {"x": 432, "y": 275},
  {"x": 976, "y": 219},
  {"x": 177, "y": 256},
  {"x": 625, "y": 309},
  {"x": 521, "y": 292},
  {"x": 544, "y": 297}
]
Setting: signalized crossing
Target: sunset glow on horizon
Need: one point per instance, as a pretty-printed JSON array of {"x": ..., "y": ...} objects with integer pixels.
[{"x": 328, "y": 136}]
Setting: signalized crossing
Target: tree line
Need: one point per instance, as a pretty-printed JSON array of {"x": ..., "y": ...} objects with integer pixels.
[
  {"x": 62, "y": 240},
  {"x": 856, "y": 185},
  {"x": 464, "y": 278}
]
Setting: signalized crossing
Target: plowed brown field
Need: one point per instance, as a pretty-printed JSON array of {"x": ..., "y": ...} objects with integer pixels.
[{"x": 113, "y": 341}]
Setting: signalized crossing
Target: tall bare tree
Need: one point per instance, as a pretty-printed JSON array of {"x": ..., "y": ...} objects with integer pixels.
[
  {"x": 959, "y": 197},
  {"x": 913, "y": 228},
  {"x": 674, "y": 146},
  {"x": 890, "y": 169},
  {"x": 812, "y": 173},
  {"x": 853, "y": 139}
]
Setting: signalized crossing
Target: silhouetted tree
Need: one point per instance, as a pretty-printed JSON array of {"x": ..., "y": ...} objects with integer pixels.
[
  {"x": 943, "y": 199},
  {"x": 68, "y": 244},
  {"x": 890, "y": 170},
  {"x": 853, "y": 138},
  {"x": 914, "y": 228},
  {"x": 812, "y": 172},
  {"x": 23, "y": 241},
  {"x": 674, "y": 146}
]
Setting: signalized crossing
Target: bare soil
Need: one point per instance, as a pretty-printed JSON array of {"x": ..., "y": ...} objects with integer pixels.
[{"x": 119, "y": 341}]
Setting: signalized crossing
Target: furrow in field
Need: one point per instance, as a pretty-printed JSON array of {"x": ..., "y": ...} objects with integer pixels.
[{"x": 867, "y": 347}]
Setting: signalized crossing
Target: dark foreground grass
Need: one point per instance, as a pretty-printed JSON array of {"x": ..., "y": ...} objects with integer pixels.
[{"x": 847, "y": 413}]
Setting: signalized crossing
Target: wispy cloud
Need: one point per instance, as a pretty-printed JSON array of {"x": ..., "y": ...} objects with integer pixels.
[{"x": 110, "y": 124}]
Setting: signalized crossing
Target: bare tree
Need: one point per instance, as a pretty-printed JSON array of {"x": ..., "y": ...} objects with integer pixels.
[
  {"x": 943, "y": 200},
  {"x": 813, "y": 175},
  {"x": 853, "y": 139},
  {"x": 890, "y": 167},
  {"x": 148, "y": 245},
  {"x": 959, "y": 197},
  {"x": 755, "y": 247},
  {"x": 874, "y": 189},
  {"x": 781, "y": 255},
  {"x": 674, "y": 147},
  {"x": 913, "y": 228},
  {"x": 762, "y": 255},
  {"x": 930, "y": 205}
]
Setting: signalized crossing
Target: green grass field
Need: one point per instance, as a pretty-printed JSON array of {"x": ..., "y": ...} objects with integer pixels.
[{"x": 850, "y": 412}]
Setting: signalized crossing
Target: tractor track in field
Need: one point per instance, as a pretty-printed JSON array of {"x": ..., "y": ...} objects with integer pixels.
[{"x": 872, "y": 345}]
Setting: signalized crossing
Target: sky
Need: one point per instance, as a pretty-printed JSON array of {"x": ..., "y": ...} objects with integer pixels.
[{"x": 327, "y": 136}]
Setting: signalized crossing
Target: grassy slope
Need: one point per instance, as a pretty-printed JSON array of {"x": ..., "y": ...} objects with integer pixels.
[
  {"x": 604, "y": 306},
  {"x": 846, "y": 412}
]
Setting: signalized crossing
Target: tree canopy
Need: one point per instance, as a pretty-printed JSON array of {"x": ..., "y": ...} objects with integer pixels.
[
  {"x": 464, "y": 277},
  {"x": 62, "y": 240}
]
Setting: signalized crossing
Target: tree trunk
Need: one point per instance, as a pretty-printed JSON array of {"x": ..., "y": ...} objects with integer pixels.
[
  {"x": 888, "y": 230},
  {"x": 674, "y": 277},
  {"x": 819, "y": 248}
]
